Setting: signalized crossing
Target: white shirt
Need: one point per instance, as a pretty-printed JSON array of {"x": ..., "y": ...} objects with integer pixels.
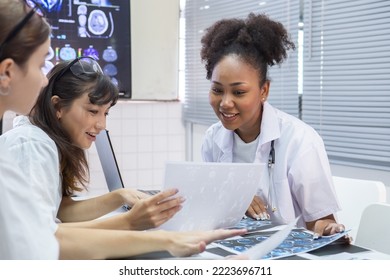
[
  {"x": 302, "y": 178},
  {"x": 36, "y": 154},
  {"x": 25, "y": 232}
]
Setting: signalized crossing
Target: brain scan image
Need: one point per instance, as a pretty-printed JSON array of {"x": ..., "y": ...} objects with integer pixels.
[
  {"x": 82, "y": 10},
  {"x": 298, "y": 241},
  {"x": 94, "y": 28},
  {"x": 67, "y": 52},
  {"x": 82, "y": 20},
  {"x": 101, "y": 2},
  {"x": 110, "y": 70},
  {"x": 92, "y": 52},
  {"x": 97, "y": 22},
  {"x": 114, "y": 81},
  {"x": 51, "y": 5},
  {"x": 110, "y": 54},
  {"x": 82, "y": 32}
]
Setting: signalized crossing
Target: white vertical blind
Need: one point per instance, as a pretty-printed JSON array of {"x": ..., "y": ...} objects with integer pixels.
[
  {"x": 200, "y": 14},
  {"x": 346, "y": 84}
]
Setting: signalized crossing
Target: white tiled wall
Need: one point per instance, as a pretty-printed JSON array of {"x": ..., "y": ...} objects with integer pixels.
[{"x": 144, "y": 136}]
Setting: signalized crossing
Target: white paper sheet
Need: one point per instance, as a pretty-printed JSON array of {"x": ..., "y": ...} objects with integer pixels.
[{"x": 217, "y": 194}]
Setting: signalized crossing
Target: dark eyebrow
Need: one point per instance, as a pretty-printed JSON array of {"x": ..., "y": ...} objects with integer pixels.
[{"x": 232, "y": 84}]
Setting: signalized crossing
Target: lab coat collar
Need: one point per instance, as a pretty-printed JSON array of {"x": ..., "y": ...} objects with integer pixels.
[
  {"x": 270, "y": 130},
  {"x": 224, "y": 141},
  {"x": 270, "y": 127}
]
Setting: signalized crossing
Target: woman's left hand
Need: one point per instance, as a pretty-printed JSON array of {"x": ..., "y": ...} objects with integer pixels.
[{"x": 327, "y": 226}]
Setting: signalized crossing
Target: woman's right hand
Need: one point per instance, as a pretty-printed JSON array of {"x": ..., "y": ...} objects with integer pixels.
[
  {"x": 182, "y": 244},
  {"x": 257, "y": 210},
  {"x": 154, "y": 210}
]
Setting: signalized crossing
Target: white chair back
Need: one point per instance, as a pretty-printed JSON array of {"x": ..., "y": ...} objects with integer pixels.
[
  {"x": 374, "y": 228},
  {"x": 354, "y": 196}
]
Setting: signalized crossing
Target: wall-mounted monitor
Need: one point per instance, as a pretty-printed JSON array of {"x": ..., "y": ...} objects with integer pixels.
[{"x": 97, "y": 28}]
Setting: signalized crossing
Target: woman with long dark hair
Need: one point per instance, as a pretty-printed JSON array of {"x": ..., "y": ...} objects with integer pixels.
[{"x": 50, "y": 144}]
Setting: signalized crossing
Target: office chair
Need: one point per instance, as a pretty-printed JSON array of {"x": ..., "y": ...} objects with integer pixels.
[
  {"x": 354, "y": 196},
  {"x": 374, "y": 228}
]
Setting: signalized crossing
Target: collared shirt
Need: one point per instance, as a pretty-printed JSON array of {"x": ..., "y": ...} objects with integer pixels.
[
  {"x": 302, "y": 180},
  {"x": 37, "y": 156},
  {"x": 24, "y": 230}
]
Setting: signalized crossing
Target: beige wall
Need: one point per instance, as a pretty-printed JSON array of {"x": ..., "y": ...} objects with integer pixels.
[{"x": 155, "y": 49}]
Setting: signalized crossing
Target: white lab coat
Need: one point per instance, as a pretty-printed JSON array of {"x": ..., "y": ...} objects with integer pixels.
[
  {"x": 302, "y": 178},
  {"x": 25, "y": 231}
]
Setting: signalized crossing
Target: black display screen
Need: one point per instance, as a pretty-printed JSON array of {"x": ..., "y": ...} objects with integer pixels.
[{"x": 97, "y": 28}]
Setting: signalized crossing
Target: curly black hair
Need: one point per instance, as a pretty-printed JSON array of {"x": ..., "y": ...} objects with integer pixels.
[{"x": 257, "y": 40}]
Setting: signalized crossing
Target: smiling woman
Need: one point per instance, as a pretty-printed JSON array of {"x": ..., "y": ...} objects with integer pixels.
[
  {"x": 50, "y": 145},
  {"x": 237, "y": 54},
  {"x": 75, "y": 103}
]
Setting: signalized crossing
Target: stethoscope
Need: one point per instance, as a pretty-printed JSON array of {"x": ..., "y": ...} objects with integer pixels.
[{"x": 271, "y": 164}]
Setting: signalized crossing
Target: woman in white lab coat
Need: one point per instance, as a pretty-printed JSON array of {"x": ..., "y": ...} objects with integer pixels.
[
  {"x": 24, "y": 43},
  {"x": 49, "y": 145},
  {"x": 297, "y": 179}
]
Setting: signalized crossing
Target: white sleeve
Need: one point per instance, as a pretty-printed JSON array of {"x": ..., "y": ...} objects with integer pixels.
[
  {"x": 24, "y": 233},
  {"x": 313, "y": 185},
  {"x": 38, "y": 158}
]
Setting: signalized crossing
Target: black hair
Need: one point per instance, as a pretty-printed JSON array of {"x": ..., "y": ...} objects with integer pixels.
[{"x": 257, "y": 40}]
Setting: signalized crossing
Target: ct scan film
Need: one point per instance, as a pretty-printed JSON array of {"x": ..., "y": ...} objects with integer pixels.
[{"x": 97, "y": 28}]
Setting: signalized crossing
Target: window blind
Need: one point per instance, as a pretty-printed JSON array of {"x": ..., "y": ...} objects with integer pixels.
[
  {"x": 200, "y": 15},
  {"x": 346, "y": 84}
]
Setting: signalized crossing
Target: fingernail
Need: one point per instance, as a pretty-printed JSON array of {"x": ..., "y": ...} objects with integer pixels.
[
  {"x": 262, "y": 216},
  {"x": 341, "y": 229},
  {"x": 316, "y": 236},
  {"x": 257, "y": 217},
  {"x": 266, "y": 216}
]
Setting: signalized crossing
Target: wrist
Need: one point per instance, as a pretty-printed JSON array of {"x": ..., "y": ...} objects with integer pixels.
[
  {"x": 165, "y": 240},
  {"x": 119, "y": 197},
  {"x": 159, "y": 240}
]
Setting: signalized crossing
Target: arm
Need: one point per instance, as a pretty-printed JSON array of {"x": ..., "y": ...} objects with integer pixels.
[
  {"x": 92, "y": 208},
  {"x": 146, "y": 213},
  {"x": 313, "y": 188},
  {"x": 80, "y": 243}
]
